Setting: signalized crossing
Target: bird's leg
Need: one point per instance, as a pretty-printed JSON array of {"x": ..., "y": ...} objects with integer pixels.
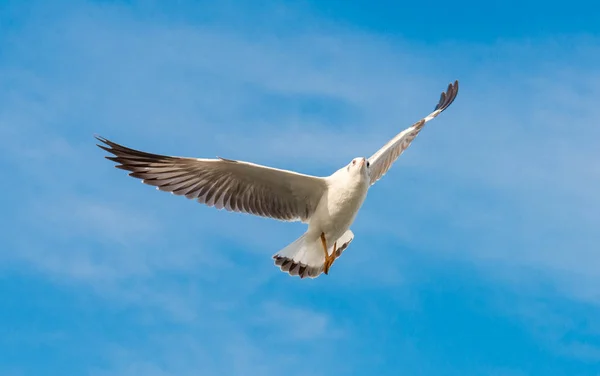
[
  {"x": 328, "y": 259},
  {"x": 324, "y": 242},
  {"x": 331, "y": 258}
]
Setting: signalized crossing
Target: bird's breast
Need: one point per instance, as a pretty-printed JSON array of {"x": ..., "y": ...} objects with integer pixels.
[{"x": 338, "y": 208}]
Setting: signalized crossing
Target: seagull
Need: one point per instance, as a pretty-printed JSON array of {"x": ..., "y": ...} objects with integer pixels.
[{"x": 328, "y": 205}]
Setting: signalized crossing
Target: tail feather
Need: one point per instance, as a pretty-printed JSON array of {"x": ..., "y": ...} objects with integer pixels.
[{"x": 305, "y": 258}]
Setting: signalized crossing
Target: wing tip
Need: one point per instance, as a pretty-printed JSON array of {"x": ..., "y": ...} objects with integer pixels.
[
  {"x": 447, "y": 97},
  {"x": 102, "y": 140},
  {"x": 107, "y": 145}
]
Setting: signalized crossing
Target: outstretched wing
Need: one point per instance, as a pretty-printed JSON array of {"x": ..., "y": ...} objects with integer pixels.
[
  {"x": 382, "y": 160},
  {"x": 233, "y": 185}
]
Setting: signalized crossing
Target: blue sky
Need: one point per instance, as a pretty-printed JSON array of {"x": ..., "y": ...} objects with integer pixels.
[{"x": 476, "y": 255}]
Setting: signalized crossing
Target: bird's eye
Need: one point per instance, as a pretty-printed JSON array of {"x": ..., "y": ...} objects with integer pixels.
[
  {"x": 368, "y": 164},
  {"x": 353, "y": 162}
]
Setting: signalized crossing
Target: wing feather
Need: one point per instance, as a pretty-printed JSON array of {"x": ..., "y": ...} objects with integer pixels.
[
  {"x": 224, "y": 183},
  {"x": 382, "y": 160}
]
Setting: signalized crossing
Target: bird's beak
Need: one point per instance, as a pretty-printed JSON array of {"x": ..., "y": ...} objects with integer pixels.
[{"x": 362, "y": 164}]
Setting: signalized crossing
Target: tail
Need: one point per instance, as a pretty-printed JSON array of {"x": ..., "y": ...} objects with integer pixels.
[{"x": 306, "y": 258}]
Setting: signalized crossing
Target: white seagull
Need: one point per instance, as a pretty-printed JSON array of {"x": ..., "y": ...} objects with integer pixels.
[{"x": 328, "y": 204}]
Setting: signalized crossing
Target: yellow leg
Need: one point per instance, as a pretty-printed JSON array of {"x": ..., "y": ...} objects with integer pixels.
[{"x": 328, "y": 259}]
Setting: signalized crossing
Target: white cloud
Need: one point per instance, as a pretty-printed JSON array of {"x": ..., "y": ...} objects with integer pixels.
[
  {"x": 229, "y": 344},
  {"x": 296, "y": 324},
  {"x": 555, "y": 325}
]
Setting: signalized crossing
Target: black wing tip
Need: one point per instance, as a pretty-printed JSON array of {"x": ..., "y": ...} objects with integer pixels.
[
  {"x": 121, "y": 150},
  {"x": 106, "y": 145},
  {"x": 112, "y": 148},
  {"x": 447, "y": 97},
  {"x": 101, "y": 139}
]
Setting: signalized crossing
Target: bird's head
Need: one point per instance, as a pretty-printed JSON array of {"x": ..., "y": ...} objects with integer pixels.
[{"x": 359, "y": 166}]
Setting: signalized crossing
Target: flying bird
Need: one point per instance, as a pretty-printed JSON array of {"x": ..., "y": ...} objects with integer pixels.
[{"x": 327, "y": 204}]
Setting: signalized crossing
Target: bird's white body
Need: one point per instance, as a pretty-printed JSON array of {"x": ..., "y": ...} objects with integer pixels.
[
  {"x": 339, "y": 205},
  {"x": 327, "y": 204},
  {"x": 344, "y": 193}
]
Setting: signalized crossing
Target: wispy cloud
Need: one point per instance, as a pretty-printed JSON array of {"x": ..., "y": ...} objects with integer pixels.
[{"x": 297, "y": 324}]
